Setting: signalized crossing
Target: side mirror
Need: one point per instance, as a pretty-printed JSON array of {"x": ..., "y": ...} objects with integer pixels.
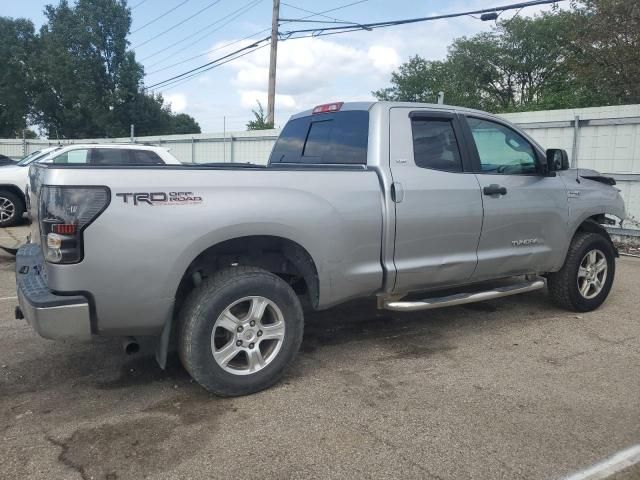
[{"x": 557, "y": 159}]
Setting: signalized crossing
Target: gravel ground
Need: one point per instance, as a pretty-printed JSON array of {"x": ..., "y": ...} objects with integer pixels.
[{"x": 512, "y": 388}]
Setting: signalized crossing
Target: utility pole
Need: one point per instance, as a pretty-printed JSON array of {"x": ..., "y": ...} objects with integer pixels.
[{"x": 271, "y": 99}]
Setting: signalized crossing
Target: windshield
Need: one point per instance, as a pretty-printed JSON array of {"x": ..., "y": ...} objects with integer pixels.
[{"x": 32, "y": 157}]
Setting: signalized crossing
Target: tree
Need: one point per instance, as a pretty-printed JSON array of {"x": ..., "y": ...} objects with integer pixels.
[
  {"x": 587, "y": 56},
  {"x": 88, "y": 83},
  {"x": 183, "y": 123},
  {"x": 418, "y": 80},
  {"x": 260, "y": 122},
  {"x": 17, "y": 46},
  {"x": 606, "y": 47},
  {"x": 522, "y": 64}
]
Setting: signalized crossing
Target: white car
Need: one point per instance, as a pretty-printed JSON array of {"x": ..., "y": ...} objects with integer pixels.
[{"x": 13, "y": 178}]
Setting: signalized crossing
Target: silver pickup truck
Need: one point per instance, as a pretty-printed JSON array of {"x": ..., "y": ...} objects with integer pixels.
[{"x": 415, "y": 206}]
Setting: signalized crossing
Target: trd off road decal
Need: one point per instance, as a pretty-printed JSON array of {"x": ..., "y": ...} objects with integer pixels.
[{"x": 160, "y": 198}]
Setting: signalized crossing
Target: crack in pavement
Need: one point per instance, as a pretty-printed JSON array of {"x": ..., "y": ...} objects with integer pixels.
[{"x": 62, "y": 457}]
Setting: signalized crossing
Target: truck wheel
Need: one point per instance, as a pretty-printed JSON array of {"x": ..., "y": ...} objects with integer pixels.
[
  {"x": 585, "y": 279},
  {"x": 239, "y": 331},
  {"x": 11, "y": 209}
]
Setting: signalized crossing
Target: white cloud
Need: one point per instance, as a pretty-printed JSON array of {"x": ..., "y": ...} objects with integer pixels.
[
  {"x": 385, "y": 59},
  {"x": 248, "y": 99},
  {"x": 309, "y": 70},
  {"x": 178, "y": 101},
  {"x": 314, "y": 71}
]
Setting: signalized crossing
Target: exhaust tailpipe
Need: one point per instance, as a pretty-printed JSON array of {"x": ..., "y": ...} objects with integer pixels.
[{"x": 130, "y": 345}]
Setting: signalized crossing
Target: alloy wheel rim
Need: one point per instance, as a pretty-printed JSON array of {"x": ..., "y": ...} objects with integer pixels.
[
  {"x": 592, "y": 274},
  {"x": 7, "y": 209},
  {"x": 248, "y": 335}
]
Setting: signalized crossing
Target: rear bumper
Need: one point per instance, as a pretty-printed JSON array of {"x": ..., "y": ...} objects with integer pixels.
[{"x": 51, "y": 316}]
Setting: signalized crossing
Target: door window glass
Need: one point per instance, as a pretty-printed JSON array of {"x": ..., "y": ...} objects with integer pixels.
[
  {"x": 78, "y": 157},
  {"x": 145, "y": 157},
  {"x": 435, "y": 145},
  {"x": 501, "y": 149},
  {"x": 110, "y": 156}
]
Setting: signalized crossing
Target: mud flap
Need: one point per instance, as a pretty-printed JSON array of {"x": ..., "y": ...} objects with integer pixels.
[{"x": 162, "y": 348}]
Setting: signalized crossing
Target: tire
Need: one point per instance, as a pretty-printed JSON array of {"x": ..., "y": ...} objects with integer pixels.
[
  {"x": 11, "y": 209},
  {"x": 237, "y": 292},
  {"x": 565, "y": 285}
]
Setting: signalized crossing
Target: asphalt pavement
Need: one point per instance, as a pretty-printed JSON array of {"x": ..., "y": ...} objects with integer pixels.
[{"x": 507, "y": 389}]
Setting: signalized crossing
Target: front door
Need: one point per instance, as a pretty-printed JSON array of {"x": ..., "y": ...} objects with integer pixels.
[
  {"x": 438, "y": 202},
  {"x": 525, "y": 212}
]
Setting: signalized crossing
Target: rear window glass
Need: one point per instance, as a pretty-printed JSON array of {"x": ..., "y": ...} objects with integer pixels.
[{"x": 336, "y": 138}]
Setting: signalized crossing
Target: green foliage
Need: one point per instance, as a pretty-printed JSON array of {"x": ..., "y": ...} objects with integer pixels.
[
  {"x": 606, "y": 45},
  {"x": 17, "y": 46},
  {"x": 588, "y": 56},
  {"x": 183, "y": 123},
  {"x": 84, "y": 82},
  {"x": 260, "y": 122}
]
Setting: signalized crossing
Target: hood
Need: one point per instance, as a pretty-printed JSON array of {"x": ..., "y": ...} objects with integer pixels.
[
  {"x": 12, "y": 168},
  {"x": 588, "y": 174}
]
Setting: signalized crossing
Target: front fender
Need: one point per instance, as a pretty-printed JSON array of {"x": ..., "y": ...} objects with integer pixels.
[{"x": 587, "y": 201}]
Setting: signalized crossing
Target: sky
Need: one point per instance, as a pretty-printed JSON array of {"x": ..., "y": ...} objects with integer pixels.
[{"x": 310, "y": 71}]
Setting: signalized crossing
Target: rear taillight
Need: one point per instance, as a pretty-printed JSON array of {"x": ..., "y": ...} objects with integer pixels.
[
  {"x": 328, "y": 108},
  {"x": 65, "y": 212}
]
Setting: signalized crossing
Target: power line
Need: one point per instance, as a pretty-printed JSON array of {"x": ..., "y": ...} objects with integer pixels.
[
  {"x": 161, "y": 16},
  {"x": 138, "y": 4},
  {"x": 329, "y": 11},
  {"x": 391, "y": 23},
  {"x": 177, "y": 24},
  {"x": 180, "y": 81},
  {"x": 222, "y": 47},
  {"x": 352, "y": 28},
  {"x": 253, "y": 45},
  {"x": 177, "y": 83},
  {"x": 235, "y": 14},
  {"x": 315, "y": 14},
  {"x": 246, "y": 38},
  {"x": 216, "y": 63}
]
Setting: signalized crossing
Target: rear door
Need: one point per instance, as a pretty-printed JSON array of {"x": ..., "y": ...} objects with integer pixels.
[
  {"x": 437, "y": 200},
  {"x": 525, "y": 212}
]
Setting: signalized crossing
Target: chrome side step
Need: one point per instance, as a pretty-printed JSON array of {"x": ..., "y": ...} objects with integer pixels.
[{"x": 462, "y": 298}]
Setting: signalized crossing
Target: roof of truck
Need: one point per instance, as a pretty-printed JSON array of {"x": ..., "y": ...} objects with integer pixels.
[
  {"x": 346, "y": 106},
  {"x": 135, "y": 146},
  {"x": 367, "y": 106}
]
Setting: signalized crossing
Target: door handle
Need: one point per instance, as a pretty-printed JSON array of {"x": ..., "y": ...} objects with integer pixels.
[
  {"x": 397, "y": 192},
  {"x": 494, "y": 189}
]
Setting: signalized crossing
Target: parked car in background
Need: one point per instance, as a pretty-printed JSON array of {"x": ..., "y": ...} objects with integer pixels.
[
  {"x": 13, "y": 178},
  {"x": 421, "y": 206},
  {"x": 4, "y": 160}
]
